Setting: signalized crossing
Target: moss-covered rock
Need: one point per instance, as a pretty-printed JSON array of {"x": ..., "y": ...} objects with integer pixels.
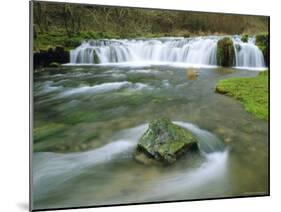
[
  {"x": 225, "y": 52},
  {"x": 164, "y": 142},
  {"x": 44, "y": 58},
  {"x": 96, "y": 58},
  {"x": 263, "y": 43},
  {"x": 245, "y": 38},
  {"x": 191, "y": 74}
]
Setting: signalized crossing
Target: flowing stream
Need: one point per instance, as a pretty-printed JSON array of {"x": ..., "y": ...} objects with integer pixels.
[
  {"x": 193, "y": 51},
  {"x": 88, "y": 119}
]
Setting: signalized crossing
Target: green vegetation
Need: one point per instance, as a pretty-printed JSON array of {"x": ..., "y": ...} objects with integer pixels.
[
  {"x": 262, "y": 41},
  {"x": 58, "y": 137},
  {"x": 165, "y": 141},
  {"x": 244, "y": 38},
  {"x": 47, "y": 40},
  {"x": 81, "y": 116},
  {"x": 225, "y": 52},
  {"x": 57, "y": 24},
  {"x": 47, "y": 131},
  {"x": 252, "y": 92}
]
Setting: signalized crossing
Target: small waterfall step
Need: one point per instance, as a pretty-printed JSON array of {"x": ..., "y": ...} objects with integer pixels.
[{"x": 196, "y": 50}]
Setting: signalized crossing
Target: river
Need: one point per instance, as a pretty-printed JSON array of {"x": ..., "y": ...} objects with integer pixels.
[{"x": 88, "y": 119}]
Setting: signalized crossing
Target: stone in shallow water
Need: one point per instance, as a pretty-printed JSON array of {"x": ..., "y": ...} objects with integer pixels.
[
  {"x": 164, "y": 142},
  {"x": 191, "y": 74},
  {"x": 225, "y": 52}
]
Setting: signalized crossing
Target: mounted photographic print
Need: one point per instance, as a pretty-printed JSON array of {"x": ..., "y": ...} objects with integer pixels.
[{"x": 137, "y": 105}]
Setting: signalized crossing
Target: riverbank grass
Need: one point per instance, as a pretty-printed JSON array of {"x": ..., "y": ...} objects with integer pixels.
[{"x": 251, "y": 92}]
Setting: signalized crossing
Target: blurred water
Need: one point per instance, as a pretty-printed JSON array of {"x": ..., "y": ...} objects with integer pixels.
[
  {"x": 194, "y": 50},
  {"x": 87, "y": 121}
]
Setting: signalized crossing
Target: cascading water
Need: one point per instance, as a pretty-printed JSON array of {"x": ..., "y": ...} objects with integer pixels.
[
  {"x": 194, "y": 51},
  {"x": 84, "y": 141},
  {"x": 247, "y": 53}
]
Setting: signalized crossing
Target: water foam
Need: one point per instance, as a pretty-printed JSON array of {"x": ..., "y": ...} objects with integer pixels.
[
  {"x": 53, "y": 170},
  {"x": 212, "y": 169},
  {"x": 208, "y": 142},
  {"x": 96, "y": 89},
  {"x": 186, "y": 52}
]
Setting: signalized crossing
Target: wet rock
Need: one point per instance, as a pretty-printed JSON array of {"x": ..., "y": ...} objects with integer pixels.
[
  {"x": 228, "y": 140},
  {"x": 225, "y": 52},
  {"x": 96, "y": 58},
  {"x": 164, "y": 142},
  {"x": 144, "y": 159},
  {"x": 225, "y": 132},
  {"x": 191, "y": 74},
  {"x": 245, "y": 38},
  {"x": 44, "y": 58},
  {"x": 54, "y": 65},
  {"x": 262, "y": 41}
]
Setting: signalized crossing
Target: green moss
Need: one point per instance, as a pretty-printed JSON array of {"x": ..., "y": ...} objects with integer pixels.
[
  {"x": 252, "y": 92},
  {"x": 171, "y": 148},
  {"x": 96, "y": 58},
  {"x": 91, "y": 137},
  {"x": 128, "y": 97},
  {"x": 55, "y": 137},
  {"x": 47, "y": 131},
  {"x": 51, "y": 40},
  {"x": 262, "y": 41},
  {"x": 165, "y": 141},
  {"x": 244, "y": 38},
  {"x": 45, "y": 41},
  {"x": 81, "y": 116},
  {"x": 225, "y": 52}
]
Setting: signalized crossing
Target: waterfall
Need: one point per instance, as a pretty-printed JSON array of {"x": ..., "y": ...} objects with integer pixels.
[
  {"x": 247, "y": 54},
  {"x": 195, "y": 51}
]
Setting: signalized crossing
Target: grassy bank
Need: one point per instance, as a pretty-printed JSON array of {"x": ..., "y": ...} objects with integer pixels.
[
  {"x": 44, "y": 41},
  {"x": 251, "y": 92}
]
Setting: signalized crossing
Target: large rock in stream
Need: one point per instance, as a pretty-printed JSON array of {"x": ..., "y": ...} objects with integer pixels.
[
  {"x": 225, "y": 52},
  {"x": 164, "y": 142},
  {"x": 52, "y": 57}
]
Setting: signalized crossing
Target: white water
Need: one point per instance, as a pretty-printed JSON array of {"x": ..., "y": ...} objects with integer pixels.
[
  {"x": 248, "y": 54},
  {"x": 102, "y": 88},
  {"x": 208, "y": 142},
  {"x": 197, "y": 51},
  {"x": 52, "y": 170},
  {"x": 213, "y": 169},
  {"x": 96, "y": 89}
]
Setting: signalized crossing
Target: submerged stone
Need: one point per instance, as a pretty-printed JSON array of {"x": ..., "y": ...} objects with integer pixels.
[
  {"x": 164, "y": 142},
  {"x": 191, "y": 74}
]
